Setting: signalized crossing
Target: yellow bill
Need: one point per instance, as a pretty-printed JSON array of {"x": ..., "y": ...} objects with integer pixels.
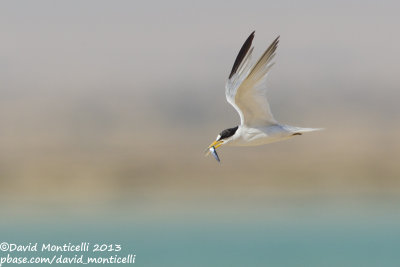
[{"x": 214, "y": 144}]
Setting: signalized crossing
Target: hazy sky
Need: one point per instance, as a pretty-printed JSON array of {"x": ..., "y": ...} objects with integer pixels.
[
  {"x": 75, "y": 44},
  {"x": 172, "y": 56}
]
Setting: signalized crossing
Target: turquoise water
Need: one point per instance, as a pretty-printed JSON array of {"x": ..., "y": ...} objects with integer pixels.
[{"x": 310, "y": 240}]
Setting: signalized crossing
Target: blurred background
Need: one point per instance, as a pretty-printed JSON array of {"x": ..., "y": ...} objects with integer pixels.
[{"x": 106, "y": 108}]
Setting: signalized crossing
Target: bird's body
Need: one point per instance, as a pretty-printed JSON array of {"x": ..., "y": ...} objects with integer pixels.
[
  {"x": 262, "y": 135},
  {"x": 245, "y": 90}
]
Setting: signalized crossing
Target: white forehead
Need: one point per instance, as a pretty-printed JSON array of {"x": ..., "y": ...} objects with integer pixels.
[{"x": 218, "y": 137}]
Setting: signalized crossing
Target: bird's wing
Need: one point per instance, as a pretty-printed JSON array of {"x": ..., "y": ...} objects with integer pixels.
[
  {"x": 245, "y": 88},
  {"x": 239, "y": 72}
]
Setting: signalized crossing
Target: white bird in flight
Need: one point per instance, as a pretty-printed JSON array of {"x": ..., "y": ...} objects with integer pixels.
[{"x": 245, "y": 90}]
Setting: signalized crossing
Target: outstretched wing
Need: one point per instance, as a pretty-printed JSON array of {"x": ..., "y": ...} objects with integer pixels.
[
  {"x": 245, "y": 89},
  {"x": 239, "y": 72}
]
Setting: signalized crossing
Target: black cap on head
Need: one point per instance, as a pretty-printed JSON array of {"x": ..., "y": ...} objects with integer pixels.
[{"x": 227, "y": 133}]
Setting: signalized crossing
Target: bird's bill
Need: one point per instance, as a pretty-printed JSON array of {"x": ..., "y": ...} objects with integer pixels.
[{"x": 215, "y": 144}]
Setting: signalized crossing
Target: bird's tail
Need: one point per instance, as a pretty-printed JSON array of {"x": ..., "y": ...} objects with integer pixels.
[{"x": 299, "y": 130}]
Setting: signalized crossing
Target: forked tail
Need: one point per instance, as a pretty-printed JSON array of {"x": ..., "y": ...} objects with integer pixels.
[{"x": 298, "y": 130}]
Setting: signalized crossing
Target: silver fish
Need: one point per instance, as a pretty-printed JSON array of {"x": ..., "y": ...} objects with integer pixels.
[{"x": 214, "y": 153}]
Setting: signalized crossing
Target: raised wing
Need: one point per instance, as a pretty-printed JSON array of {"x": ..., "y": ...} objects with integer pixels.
[
  {"x": 239, "y": 72},
  {"x": 245, "y": 89}
]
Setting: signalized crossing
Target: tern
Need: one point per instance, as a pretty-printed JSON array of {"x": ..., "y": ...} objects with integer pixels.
[{"x": 245, "y": 90}]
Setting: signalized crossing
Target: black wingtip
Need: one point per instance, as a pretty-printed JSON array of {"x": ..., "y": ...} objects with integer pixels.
[
  {"x": 277, "y": 40},
  {"x": 242, "y": 53},
  {"x": 273, "y": 46}
]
